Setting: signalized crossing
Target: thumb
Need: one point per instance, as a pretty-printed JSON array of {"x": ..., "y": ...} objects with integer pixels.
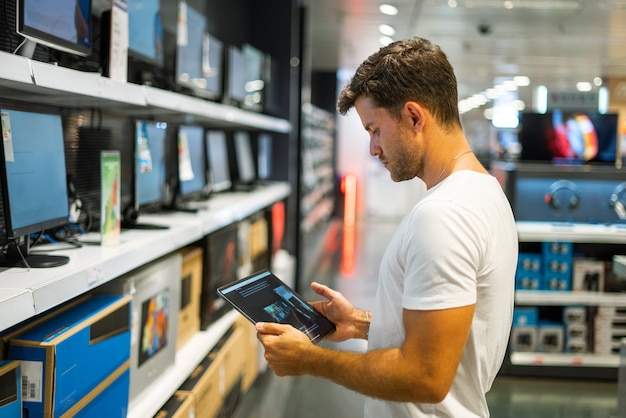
[{"x": 271, "y": 328}]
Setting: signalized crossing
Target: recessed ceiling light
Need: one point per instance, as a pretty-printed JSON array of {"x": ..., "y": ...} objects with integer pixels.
[
  {"x": 583, "y": 86},
  {"x": 385, "y": 40},
  {"x": 387, "y": 30},
  {"x": 388, "y": 9}
]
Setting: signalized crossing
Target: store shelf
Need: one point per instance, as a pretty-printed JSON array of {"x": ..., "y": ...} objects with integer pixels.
[
  {"x": 557, "y": 298},
  {"x": 580, "y": 233},
  {"x": 29, "y": 80},
  {"x": 25, "y": 292},
  {"x": 150, "y": 400},
  {"x": 564, "y": 360}
]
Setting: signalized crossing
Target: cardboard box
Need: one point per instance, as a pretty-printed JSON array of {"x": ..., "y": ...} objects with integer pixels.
[
  {"x": 155, "y": 292},
  {"x": 550, "y": 338},
  {"x": 588, "y": 275},
  {"x": 180, "y": 405},
  {"x": 109, "y": 399},
  {"x": 10, "y": 389},
  {"x": 66, "y": 357},
  {"x": 524, "y": 338},
  {"x": 190, "y": 291}
]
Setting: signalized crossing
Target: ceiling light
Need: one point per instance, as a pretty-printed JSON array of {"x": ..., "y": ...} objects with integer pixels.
[
  {"x": 388, "y": 9},
  {"x": 385, "y": 40},
  {"x": 597, "y": 81},
  {"x": 521, "y": 80},
  {"x": 452, "y": 3},
  {"x": 387, "y": 30},
  {"x": 583, "y": 86}
]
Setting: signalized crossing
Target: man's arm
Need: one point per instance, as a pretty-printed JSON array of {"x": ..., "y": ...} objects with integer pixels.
[{"x": 421, "y": 370}]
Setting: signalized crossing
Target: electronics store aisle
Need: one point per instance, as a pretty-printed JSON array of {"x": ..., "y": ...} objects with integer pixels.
[{"x": 510, "y": 397}]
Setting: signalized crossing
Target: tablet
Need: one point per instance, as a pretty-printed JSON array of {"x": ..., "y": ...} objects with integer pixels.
[{"x": 263, "y": 297}]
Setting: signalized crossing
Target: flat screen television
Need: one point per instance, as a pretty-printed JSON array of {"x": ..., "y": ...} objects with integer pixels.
[
  {"x": 145, "y": 31},
  {"x": 64, "y": 25},
  {"x": 569, "y": 137},
  {"x": 235, "y": 77},
  {"x": 192, "y": 169},
  {"x": 217, "y": 158},
  {"x": 244, "y": 170},
  {"x": 254, "y": 77},
  {"x": 150, "y": 187},
  {"x": 33, "y": 179},
  {"x": 198, "y": 55}
]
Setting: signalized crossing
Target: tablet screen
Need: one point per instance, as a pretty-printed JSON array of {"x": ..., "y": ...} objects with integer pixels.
[{"x": 263, "y": 297}]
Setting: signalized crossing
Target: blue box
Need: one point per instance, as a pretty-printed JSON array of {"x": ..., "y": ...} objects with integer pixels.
[
  {"x": 110, "y": 399},
  {"x": 529, "y": 263},
  {"x": 558, "y": 249},
  {"x": 10, "y": 389},
  {"x": 528, "y": 281},
  {"x": 64, "y": 358},
  {"x": 526, "y": 316},
  {"x": 557, "y": 281}
]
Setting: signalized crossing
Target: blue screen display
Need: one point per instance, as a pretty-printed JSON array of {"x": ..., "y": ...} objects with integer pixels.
[
  {"x": 191, "y": 160},
  {"x": 150, "y": 168},
  {"x": 35, "y": 170},
  {"x": 145, "y": 29}
]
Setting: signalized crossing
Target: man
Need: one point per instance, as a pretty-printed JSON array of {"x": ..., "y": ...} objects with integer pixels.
[{"x": 441, "y": 321}]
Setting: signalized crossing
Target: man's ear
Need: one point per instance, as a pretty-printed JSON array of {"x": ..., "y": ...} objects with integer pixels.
[{"x": 415, "y": 113}]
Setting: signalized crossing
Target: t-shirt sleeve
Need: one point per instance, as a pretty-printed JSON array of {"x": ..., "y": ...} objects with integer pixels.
[{"x": 442, "y": 252}]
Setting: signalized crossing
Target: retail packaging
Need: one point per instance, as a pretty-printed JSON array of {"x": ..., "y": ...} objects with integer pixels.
[
  {"x": 557, "y": 261},
  {"x": 180, "y": 405},
  {"x": 588, "y": 274},
  {"x": 66, "y": 359},
  {"x": 523, "y": 338},
  {"x": 529, "y": 272},
  {"x": 155, "y": 292},
  {"x": 10, "y": 389},
  {"x": 550, "y": 337},
  {"x": 190, "y": 292},
  {"x": 108, "y": 399},
  {"x": 213, "y": 380}
]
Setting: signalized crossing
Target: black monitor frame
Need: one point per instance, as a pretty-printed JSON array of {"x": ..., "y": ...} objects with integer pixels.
[
  {"x": 198, "y": 163},
  {"x": 216, "y": 147}
]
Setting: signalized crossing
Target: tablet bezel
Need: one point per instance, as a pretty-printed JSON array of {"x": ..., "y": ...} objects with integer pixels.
[{"x": 258, "y": 314}]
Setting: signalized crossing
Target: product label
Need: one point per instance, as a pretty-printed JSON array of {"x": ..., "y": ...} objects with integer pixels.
[
  {"x": 7, "y": 138},
  {"x": 32, "y": 381}
]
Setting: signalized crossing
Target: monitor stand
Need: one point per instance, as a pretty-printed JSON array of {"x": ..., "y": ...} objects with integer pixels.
[{"x": 18, "y": 254}]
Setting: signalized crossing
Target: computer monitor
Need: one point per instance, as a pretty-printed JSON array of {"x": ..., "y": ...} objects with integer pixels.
[
  {"x": 150, "y": 187},
  {"x": 192, "y": 169},
  {"x": 34, "y": 185},
  {"x": 217, "y": 157},
  {"x": 236, "y": 74},
  {"x": 255, "y": 77},
  {"x": 245, "y": 174},
  {"x": 145, "y": 31},
  {"x": 64, "y": 25},
  {"x": 198, "y": 55}
]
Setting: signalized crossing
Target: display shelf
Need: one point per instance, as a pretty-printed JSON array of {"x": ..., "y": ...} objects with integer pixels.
[
  {"x": 29, "y": 80},
  {"x": 564, "y": 360},
  {"x": 152, "y": 398},
  {"x": 94, "y": 264},
  {"x": 578, "y": 233},
  {"x": 557, "y": 298}
]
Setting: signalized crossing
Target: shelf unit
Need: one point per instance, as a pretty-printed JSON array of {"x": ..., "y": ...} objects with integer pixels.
[
  {"x": 25, "y": 294},
  {"x": 567, "y": 364}
]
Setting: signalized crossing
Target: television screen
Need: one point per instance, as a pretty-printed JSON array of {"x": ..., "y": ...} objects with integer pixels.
[
  {"x": 192, "y": 171},
  {"x": 150, "y": 167},
  {"x": 569, "y": 137},
  {"x": 235, "y": 91},
  {"x": 145, "y": 30},
  {"x": 244, "y": 160},
  {"x": 198, "y": 55},
  {"x": 217, "y": 157},
  {"x": 34, "y": 179},
  {"x": 255, "y": 77},
  {"x": 64, "y": 25}
]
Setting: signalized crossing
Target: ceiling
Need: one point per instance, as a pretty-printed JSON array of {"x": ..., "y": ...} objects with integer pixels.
[{"x": 555, "y": 43}]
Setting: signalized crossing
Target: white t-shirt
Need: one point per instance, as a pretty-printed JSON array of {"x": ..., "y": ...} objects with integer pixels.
[{"x": 458, "y": 246}]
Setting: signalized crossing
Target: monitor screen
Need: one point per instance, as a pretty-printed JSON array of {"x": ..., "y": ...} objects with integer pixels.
[
  {"x": 246, "y": 168},
  {"x": 34, "y": 179},
  {"x": 64, "y": 25},
  {"x": 154, "y": 326},
  {"x": 150, "y": 166},
  {"x": 568, "y": 137},
  {"x": 145, "y": 30},
  {"x": 199, "y": 55},
  {"x": 192, "y": 171},
  {"x": 217, "y": 157},
  {"x": 236, "y": 76},
  {"x": 255, "y": 77}
]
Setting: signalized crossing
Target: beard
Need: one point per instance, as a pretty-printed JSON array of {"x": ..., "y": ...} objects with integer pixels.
[{"x": 404, "y": 158}]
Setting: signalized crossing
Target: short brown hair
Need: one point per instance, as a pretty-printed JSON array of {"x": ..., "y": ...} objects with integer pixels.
[{"x": 409, "y": 70}]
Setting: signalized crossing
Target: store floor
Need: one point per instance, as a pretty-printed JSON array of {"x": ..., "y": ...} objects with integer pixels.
[{"x": 355, "y": 276}]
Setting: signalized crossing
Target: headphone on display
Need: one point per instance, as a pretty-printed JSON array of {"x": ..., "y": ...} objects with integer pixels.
[
  {"x": 561, "y": 192},
  {"x": 617, "y": 201}
]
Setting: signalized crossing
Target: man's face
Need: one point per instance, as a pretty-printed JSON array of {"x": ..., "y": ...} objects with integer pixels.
[{"x": 393, "y": 141}]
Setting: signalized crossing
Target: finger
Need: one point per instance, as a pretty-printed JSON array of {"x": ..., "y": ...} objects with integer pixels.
[
  {"x": 324, "y": 291},
  {"x": 271, "y": 328}
]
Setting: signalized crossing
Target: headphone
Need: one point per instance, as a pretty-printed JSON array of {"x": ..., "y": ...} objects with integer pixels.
[
  {"x": 562, "y": 196},
  {"x": 616, "y": 201}
]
